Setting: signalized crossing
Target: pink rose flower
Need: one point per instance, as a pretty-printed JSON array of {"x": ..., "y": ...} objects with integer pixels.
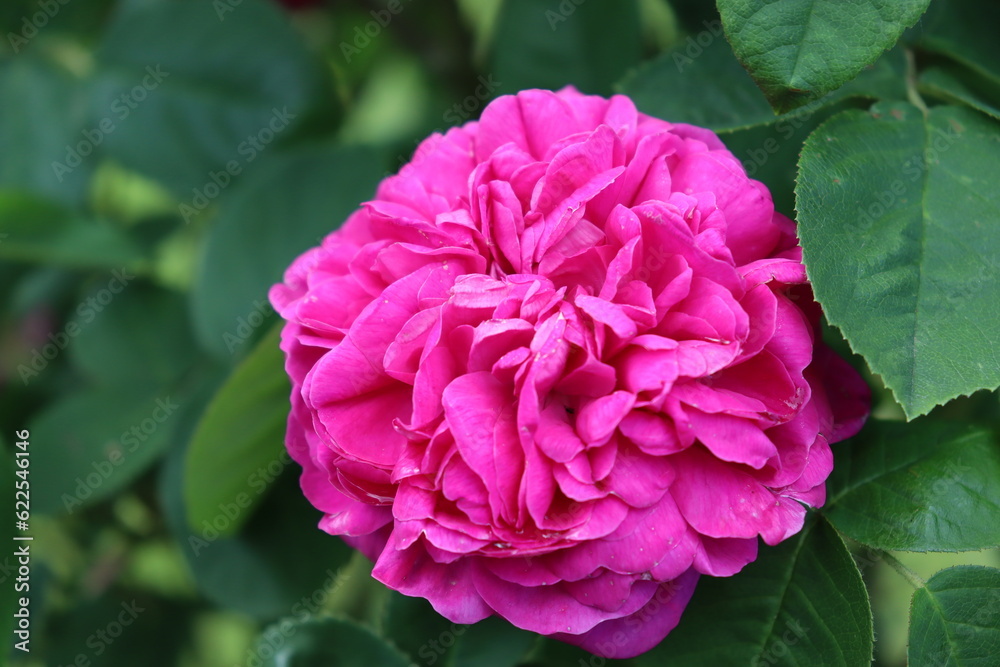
[{"x": 562, "y": 364}]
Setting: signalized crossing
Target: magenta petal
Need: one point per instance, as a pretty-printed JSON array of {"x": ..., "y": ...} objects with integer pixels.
[
  {"x": 482, "y": 421},
  {"x": 598, "y": 419},
  {"x": 449, "y": 588},
  {"x": 550, "y": 609},
  {"x": 720, "y": 500},
  {"x": 632, "y": 635}
]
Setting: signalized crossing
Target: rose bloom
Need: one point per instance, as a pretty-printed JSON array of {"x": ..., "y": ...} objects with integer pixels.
[{"x": 563, "y": 363}]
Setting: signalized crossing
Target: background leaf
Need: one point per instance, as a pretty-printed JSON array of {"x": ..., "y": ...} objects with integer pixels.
[
  {"x": 321, "y": 642},
  {"x": 84, "y": 452},
  {"x": 33, "y": 229},
  {"x": 800, "y": 50},
  {"x": 145, "y": 339},
  {"x": 954, "y": 84},
  {"x": 242, "y": 430},
  {"x": 243, "y": 80},
  {"x": 313, "y": 191},
  {"x": 955, "y": 619},
  {"x": 896, "y": 219},
  {"x": 964, "y": 31},
  {"x": 707, "y": 86},
  {"x": 42, "y": 128},
  {"x": 929, "y": 486},
  {"x": 542, "y": 44}
]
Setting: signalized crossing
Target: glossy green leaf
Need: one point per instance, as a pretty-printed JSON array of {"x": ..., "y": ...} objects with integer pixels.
[
  {"x": 701, "y": 82},
  {"x": 325, "y": 641},
  {"x": 90, "y": 445},
  {"x": 243, "y": 429},
  {"x": 957, "y": 86},
  {"x": 145, "y": 339},
  {"x": 42, "y": 133},
  {"x": 925, "y": 486},
  {"x": 36, "y": 230},
  {"x": 286, "y": 207},
  {"x": 955, "y": 619},
  {"x": 800, "y": 50},
  {"x": 964, "y": 30},
  {"x": 800, "y": 603},
  {"x": 242, "y": 81},
  {"x": 543, "y": 44},
  {"x": 897, "y": 219}
]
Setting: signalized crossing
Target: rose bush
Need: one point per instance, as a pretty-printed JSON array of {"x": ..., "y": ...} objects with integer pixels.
[{"x": 563, "y": 363}]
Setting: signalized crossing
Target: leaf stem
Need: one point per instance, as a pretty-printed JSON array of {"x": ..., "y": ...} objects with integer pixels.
[
  {"x": 912, "y": 577},
  {"x": 911, "y": 83}
]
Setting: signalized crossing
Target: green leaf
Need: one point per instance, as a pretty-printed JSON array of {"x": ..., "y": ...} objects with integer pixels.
[
  {"x": 90, "y": 445},
  {"x": 279, "y": 211},
  {"x": 144, "y": 340},
  {"x": 964, "y": 30},
  {"x": 551, "y": 653},
  {"x": 242, "y": 429},
  {"x": 492, "y": 642},
  {"x": 543, "y": 44},
  {"x": 429, "y": 638},
  {"x": 417, "y": 630},
  {"x": 157, "y": 634},
  {"x": 897, "y": 219},
  {"x": 36, "y": 230},
  {"x": 707, "y": 86},
  {"x": 800, "y": 603},
  {"x": 280, "y": 563},
  {"x": 325, "y": 641},
  {"x": 242, "y": 80},
  {"x": 42, "y": 130},
  {"x": 800, "y": 50},
  {"x": 953, "y": 84},
  {"x": 925, "y": 486},
  {"x": 955, "y": 619}
]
